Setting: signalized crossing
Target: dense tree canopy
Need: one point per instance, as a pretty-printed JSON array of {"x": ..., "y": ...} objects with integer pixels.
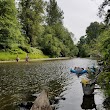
[
  {"x": 36, "y": 24},
  {"x": 54, "y": 13},
  {"x": 93, "y": 31},
  {"x": 103, "y": 43},
  {"x": 31, "y": 17},
  {"x": 10, "y": 35},
  {"x": 56, "y": 39},
  {"x": 87, "y": 43}
]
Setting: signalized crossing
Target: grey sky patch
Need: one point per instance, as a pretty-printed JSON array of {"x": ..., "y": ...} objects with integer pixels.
[{"x": 78, "y": 14}]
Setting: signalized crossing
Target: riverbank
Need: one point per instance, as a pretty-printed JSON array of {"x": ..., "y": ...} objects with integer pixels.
[
  {"x": 8, "y": 56},
  {"x": 40, "y": 59}
]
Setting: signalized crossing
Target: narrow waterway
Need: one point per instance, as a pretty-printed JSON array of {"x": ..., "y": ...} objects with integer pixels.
[{"x": 18, "y": 81}]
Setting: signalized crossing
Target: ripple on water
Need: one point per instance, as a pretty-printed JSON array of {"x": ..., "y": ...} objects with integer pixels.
[{"x": 20, "y": 80}]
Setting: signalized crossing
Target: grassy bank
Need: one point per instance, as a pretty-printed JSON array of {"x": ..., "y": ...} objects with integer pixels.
[{"x": 7, "y": 56}]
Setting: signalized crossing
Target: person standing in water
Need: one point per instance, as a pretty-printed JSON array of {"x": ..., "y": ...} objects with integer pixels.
[
  {"x": 27, "y": 58},
  {"x": 17, "y": 58}
]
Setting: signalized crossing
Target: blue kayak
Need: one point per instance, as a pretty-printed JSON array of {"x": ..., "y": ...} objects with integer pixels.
[{"x": 78, "y": 71}]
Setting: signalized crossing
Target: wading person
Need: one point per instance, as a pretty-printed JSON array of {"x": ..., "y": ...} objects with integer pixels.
[
  {"x": 27, "y": 58},
  {"x": 17, "y": 58}
]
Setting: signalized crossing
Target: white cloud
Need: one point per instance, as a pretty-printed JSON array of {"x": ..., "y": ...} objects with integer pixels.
[{"x": 78, "y": 14}]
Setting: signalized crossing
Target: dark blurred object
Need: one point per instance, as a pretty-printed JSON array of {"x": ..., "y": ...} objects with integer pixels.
[
  {"x": 26, "y": 105},
  {"x": 88, "y": 102},
  {"x": 106, "y": 103}
]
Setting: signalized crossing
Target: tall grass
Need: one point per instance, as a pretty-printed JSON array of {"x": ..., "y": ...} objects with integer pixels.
[{"x": 7, "y": 56}]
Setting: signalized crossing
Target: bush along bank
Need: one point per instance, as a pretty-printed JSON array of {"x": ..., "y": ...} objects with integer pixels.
[
  {"x": 104, "y": 82},
  {"x": 11, "y": 55}
]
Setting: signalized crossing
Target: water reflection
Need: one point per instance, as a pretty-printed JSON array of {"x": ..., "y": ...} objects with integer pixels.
[
  {"x": 88, "y": 102},
  {"x": 55, "y": 88},
  {"x": 18, "y": 81}
]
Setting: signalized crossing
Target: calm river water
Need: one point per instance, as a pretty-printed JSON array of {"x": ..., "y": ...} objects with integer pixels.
[{"x": 18, "y": 81}]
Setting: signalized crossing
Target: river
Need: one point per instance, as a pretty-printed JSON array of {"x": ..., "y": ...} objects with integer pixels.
[{"x": 18, "y": 81}]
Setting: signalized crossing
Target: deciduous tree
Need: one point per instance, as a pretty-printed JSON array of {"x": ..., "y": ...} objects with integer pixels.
[
  {"x": 54, "y": 13},
  {"x": 31, "y": 17},
  {"x": 10, "y": 35}
]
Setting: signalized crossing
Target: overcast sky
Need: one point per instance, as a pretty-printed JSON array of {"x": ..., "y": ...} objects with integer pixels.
[{"x": 78, "y": 14}]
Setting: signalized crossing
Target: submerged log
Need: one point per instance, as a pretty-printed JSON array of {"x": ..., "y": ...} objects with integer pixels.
[{"x": 41, "y": 102}]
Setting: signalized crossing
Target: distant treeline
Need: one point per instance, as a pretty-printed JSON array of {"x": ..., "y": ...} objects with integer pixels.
[
  {"x": 29, "y": 24},
  {"x": 96, "y": 44}
]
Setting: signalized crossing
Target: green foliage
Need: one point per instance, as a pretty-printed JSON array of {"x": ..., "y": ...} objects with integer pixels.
[
  {"x": 15, "y": 51},
  {"x": 97, "y": 44},
  {"x": 93, "y": 31},
  {"x": 103, "y": 43},
  {"x": 31, "y": 14},
  {"x": 25, "y": 48},
  {"x": 54, "y": 13},
  {"x": 84, "y": 50},
  {"x": 68, "y": 48},
  {"x": 104, "y": 81},
  {"x": 9, "y": 27},
  {"x": 11, "y": 55},
  {"x": 51, "y": 45},
  {"x": 25, "y": 31},
  {"x": 57, "y": 41},
  {"x": 88, "y": 44}
]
